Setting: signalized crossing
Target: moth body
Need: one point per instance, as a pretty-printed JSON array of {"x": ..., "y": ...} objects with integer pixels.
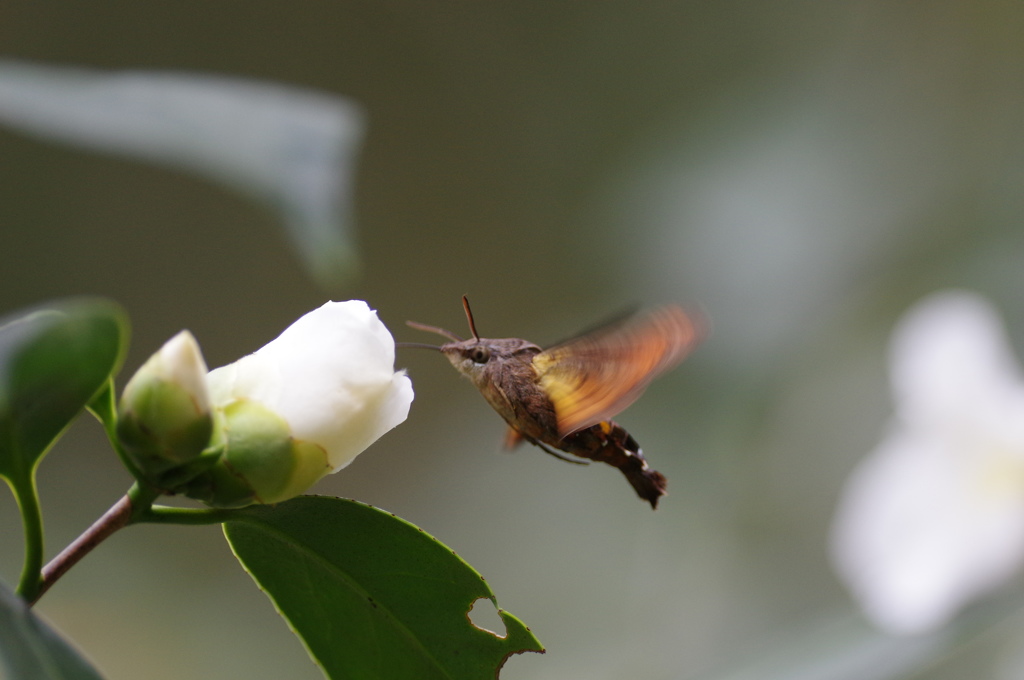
[{"x": 562, "y": 398}]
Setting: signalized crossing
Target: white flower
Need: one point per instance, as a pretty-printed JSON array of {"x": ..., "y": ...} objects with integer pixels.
[
  {"x": 265, "y": 428},
  {"x": 934, "y": 517},
  {"x": 309, "y": 402}
]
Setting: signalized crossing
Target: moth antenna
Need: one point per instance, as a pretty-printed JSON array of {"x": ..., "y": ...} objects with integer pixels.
[
  {"x": 469, "y": 316},
  {"x": 421, "y": 345},
  {"x": 433, "y": 329}
]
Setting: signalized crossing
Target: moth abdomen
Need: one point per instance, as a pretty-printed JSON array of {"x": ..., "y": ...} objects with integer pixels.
[{"x": 610, "y": 443}]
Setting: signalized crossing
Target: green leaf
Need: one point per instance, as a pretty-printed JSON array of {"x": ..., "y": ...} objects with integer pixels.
[
  {"x": 31, "y": 650},
  {"x": 371, "y": 595},
  {"x": 53, "y": 361}
]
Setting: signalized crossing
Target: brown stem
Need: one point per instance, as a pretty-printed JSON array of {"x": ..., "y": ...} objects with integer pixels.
[{"x": 117, "y": 517}]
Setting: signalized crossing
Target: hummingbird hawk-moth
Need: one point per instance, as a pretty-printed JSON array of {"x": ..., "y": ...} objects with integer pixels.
[{"x": 562, "y": 399}]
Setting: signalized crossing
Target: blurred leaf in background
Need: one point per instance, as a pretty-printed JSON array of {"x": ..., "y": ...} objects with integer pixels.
[{"x": 290, "y": 148}]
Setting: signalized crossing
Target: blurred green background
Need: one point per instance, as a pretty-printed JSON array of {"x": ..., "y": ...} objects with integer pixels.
[{"x": 802, "y": 171}]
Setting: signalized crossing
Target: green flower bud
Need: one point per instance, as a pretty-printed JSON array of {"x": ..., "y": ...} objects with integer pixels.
[{"x": 164, "y": 416}]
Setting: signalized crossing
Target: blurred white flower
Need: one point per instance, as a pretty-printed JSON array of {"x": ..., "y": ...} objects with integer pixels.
[
  {"x": 934, "y": 517},
  {"x": 304, "y": 405}
]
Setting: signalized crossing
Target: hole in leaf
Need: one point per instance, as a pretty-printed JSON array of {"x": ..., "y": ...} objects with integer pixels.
[{"x": 484, "y": 615}]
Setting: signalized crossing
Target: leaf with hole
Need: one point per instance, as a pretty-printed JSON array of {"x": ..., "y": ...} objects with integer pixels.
[{"x": 371, "y": 595}]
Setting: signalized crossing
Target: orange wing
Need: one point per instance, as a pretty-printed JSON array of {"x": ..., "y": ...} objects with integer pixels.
[{"x": 595, "y": 376}]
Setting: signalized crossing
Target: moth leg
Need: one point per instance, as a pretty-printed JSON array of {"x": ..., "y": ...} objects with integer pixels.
[
  {"x": 551, "y": 452},
  {"x": 514, "y": 438}
]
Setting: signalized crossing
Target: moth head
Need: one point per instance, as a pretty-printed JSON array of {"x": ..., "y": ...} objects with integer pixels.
[
  {"x": 475, "y": 356},
  {"x": 470, "y": 357}
]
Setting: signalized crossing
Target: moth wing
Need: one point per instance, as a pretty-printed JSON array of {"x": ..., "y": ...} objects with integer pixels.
[{"x": 593, "y": 377}]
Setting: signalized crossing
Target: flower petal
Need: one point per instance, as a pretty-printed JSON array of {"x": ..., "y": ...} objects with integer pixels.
[{"x": 182, "y": 360}]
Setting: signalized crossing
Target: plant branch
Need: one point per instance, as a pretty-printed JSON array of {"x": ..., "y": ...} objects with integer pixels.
[
  {"x": 121, "y": 514},
  {"x": 135, "y": 507},
  {"x": 117, "y": 517}
]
